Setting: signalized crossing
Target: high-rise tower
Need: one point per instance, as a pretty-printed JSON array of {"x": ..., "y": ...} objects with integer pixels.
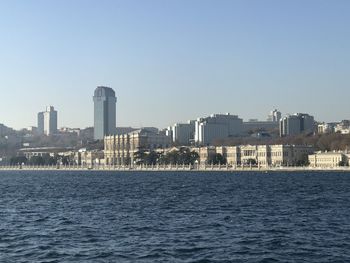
[
  {"x": 104, "y": 112},
  {"x": 47, "y": 121}
]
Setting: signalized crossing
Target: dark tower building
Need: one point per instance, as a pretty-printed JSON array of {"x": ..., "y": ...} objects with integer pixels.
[{"x": 104, "y": 112}]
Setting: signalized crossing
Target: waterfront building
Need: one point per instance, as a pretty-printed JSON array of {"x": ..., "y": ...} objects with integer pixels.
[
  {"x": 47, "y": 121},
  {"x": 296, "y": 124},
  {"x": 182, "y": 133},
  {"x": 233, "y": 155},
  {"x": 88, "y": 158},
  {"x": 121, "y": 149},
  {"x": 329, "y": 159},
  {"x": 43, "y": 151},
  {"x": 217, "y": 126},
  {"x": 265, "y": 155},
  {"x": 104, "y": 112},
  {"x": 206, "y": 154}
]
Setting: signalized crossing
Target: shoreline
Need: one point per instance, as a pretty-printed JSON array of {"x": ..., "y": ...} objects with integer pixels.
[{"x": 173, "y": 169}]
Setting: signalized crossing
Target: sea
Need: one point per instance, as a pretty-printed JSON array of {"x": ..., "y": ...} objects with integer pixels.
[{"x": 91, "y": 216}]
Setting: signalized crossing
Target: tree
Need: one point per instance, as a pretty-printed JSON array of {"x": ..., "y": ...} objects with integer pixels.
[
  {"x": 18, "y": 160},
  {"x": 181, "y": 156},
  {"x": 151, "y": 158},
  {"x": 343, "y": 163},
  {"x": 140, "y": 156},
  {"x": 172, "y": 157},
  {"x": 66, "y": 160},
  {"x": 251, "y": 162},
  {"x": 304, "y": 161},
  {"x": 49, "y": 160},
  {"x": 37, "y": 160},
  {"x": 219, "y": 159},
  {"x": 194, "y": 156}
]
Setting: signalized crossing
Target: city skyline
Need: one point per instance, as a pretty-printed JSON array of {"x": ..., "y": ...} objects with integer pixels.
[
  {"x": 252, "y": 118},
  {"x": 195, "y": 58}
]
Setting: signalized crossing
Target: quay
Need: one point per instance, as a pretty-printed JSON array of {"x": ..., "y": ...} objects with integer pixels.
[{"x": 170, "y": 168}]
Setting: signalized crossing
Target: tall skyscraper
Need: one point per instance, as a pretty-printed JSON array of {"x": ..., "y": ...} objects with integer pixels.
[
  {"x": 47, "y": 121},
  {"x": 104, "y": 112}
]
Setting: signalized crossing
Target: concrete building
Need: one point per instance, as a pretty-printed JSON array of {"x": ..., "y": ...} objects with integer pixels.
[
  {"x": 47, "y": 121},
  {"x": 182, "y": 133},
  {"x": 325, "y": 128},
  {"x": 274, "y": 116},
  {"x": 232, "y": 154},
  {"x": 217, "y": 126},
  {"x": 296, "y": 124},
  {"x": 120, "y": 149},
  {"x": 32, "y": 130},
  {"x": 328, "y": 159},
  {"x": 89, "y": 158},
  {"x": 265, "y": 155},
  {"x": 104, "y": 112},
  {"x": 343, "y": 127},
  {"x": 206, "y": 154},
  {"x": 124, "y": 130},
  {"x": 43, "y": 151}
]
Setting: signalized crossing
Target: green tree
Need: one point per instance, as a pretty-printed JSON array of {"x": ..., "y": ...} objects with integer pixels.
[
  {"x": 37, "y": 160},
  {"x": 219, "y": 159},
  {"x": 194, "y": 156},
  {"x": 172, "y": 157},
  {"x": 140, "y": 156},
  {"x": 66, "y": 160},
  {"x": 151, "y": 158},
  {"x": 251, "y": 162},
  {"x": 49, "y": 160},
  {"x": 304, "y": 161},
  {"x": 17, "y": 160},
  {"x": 343, "y": 163}
]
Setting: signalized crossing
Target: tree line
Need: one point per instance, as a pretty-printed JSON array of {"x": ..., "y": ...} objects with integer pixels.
[
  {"x": 182, "y": 156},
  {"x": 43, "y": 160}
]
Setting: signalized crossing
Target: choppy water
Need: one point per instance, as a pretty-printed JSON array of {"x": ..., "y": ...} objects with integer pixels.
[{"x": 174, "y": 217}]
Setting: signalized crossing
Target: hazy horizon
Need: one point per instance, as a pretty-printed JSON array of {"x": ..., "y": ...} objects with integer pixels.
[{"x": 171, "y": 61}]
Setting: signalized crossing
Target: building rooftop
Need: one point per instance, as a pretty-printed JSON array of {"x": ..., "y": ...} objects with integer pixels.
[{"x": 102, "y": 91}]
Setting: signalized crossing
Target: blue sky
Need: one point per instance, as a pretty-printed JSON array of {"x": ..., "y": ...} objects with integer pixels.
[{"x": 171, "y": 61}]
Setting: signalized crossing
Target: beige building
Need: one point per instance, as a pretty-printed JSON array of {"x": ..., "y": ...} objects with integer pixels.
[
  {"x": 343, "y": 127},
  {"x": 324, "y": 128},
  {"x": 120, "y": 149},
  {"x": 328, "y": 159},
  {"x": 206, "y": 154},
  {"x": 89, "y": 158},
  {"x": 265, "y": 155},
  {"x": 233, "y": 154}
]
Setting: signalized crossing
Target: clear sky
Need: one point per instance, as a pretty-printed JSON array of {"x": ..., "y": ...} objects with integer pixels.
[{"x": 174, "y": 60}]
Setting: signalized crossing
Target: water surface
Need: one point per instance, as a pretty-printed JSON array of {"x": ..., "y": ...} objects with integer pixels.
[{"x": 174, "y": 217}]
